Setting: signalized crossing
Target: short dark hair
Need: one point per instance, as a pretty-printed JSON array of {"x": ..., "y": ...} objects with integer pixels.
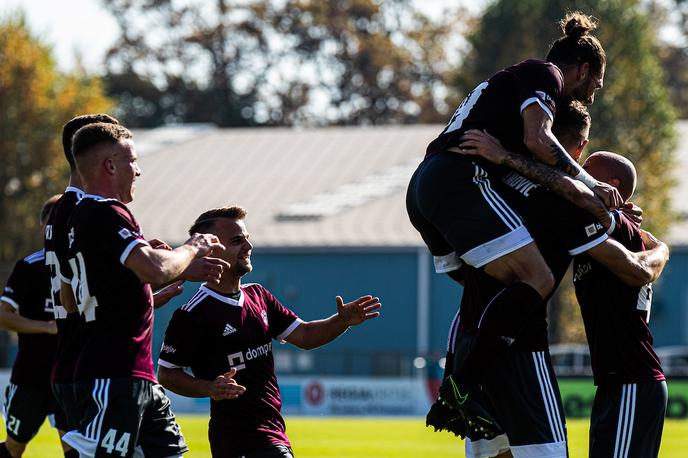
[
  {"x": 48, "y": 208},
  {"x": 577, "y": 46},
  {"x": 93, "y": 134},
  {"x": 571, "y": 120},
  {"x": 206, "y": 220},
  {"x": 74, "y": 124}
]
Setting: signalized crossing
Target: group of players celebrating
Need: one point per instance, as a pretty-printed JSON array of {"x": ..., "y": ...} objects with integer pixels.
[
  {"x": 83, "y": 308},
  {"x": 504, "y": 208}
]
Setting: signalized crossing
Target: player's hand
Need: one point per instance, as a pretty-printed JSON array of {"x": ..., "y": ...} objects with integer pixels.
[
  {"x": 609, "y": 195},
  {"x": 158, "y": 244},
  {"x": 206, "y": 269},
  {"x": 163, "y": 296},
  {"x": 633, "y": 212},
  {"x": 204, "y": 244},
  {"x": 225, "y": 387},
  {"x": 479, "y": 143},
  {"x": 358, "y": 311},
  {"x": 50, "y": 327}
]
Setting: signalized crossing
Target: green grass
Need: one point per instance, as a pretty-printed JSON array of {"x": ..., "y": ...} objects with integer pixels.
[{"x": 369, "y": 438}]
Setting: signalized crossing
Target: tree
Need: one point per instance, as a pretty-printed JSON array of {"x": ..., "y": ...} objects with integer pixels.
[
  {"x": 631, "y": 116},
  {"x": 35, "y": 101},
  {"x": 276, "y": 63}
]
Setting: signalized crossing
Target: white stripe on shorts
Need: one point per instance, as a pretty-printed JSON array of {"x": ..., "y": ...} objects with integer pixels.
[
  {"x": 624, "y": 429},
  {"x": 548, "y": 397},
  {"x": 453, "y": 330},
  {"x": 505, "y": 213}
]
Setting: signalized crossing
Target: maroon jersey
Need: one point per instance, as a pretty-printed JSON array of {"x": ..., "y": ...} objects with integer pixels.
[
  {"x": 616, "y": 316},
  {"x": 116, "y": 305},
  {"x": 214, "y": 333},
  {"x": 561, "y": 231},
  {"x": 496, "y": 105},
  {"x": 28, "y": 292},
  {"x": 56, "y": 243}
]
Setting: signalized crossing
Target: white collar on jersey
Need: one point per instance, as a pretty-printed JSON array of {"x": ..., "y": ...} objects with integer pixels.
[
  {"x": 95, "y": 197},
  {"x": 225, "y": 299}
]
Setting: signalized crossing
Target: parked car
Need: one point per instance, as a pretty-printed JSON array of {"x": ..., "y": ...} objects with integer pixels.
[
  {"x": 571, "y": 360},
  {"x": 674, "y": 360}
]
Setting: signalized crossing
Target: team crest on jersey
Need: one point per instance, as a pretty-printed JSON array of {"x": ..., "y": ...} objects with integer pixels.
[
  {"x": 229, "y": 329},
  {"x": 264, "y": 316},
  {"x": 124, "y": 233},
  {"x": 545, "y": 98},
  {"x": 592, "y": 229}
]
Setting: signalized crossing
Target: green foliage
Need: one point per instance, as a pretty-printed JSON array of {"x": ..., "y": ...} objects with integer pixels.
[{"x": 35, "y": 101}]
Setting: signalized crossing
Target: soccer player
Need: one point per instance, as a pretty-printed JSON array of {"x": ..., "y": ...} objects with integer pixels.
[
  {"x": 631, "y": 398},
  {"x": 562, "y": 231},
  {"x": 56, "y": 245},
  {"x": 27, "y": 309},
  {"x": 123, "y": 409},
  {"x": 453, "y": 202},
  {"x": 224, "y": 335}
]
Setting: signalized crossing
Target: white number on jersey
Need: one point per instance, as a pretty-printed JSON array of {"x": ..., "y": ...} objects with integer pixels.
[
  {"x": 54, "y": 267},
  {"x": 465, "y": 108},
  {"x": 239, "y": 357},
  {"x": 86, "y": 303},
  {"x": 645, "y": 300},
  {"x": 122, "y": 445}
]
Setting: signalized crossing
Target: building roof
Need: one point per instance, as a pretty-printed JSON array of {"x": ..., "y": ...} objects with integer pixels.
[{"x": 319, "y": 187}]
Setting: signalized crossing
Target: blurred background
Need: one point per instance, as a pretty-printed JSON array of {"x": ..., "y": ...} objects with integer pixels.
[{"x": 313, "y": 115}]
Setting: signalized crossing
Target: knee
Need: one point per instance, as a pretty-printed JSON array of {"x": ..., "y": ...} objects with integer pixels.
[{"x": 541, "y": 281}]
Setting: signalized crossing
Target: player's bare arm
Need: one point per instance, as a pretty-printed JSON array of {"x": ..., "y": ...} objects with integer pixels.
[
  {"x": 538, "y": 137},
  {"x": 222, "y": 387},
  {"x": 10, "y": 320},
  {"x": 313, "y": 334},
  {"x": 481, "y": 143},
  {"x": 67, "y": 297},
  {"x": 164, "y": 295},
  {"x": 635, "y": 269},
  {"x": 158, "y": 267}
]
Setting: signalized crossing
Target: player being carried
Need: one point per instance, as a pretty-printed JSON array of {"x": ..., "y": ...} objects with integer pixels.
[
  {"x": 224, "y": 335},
  {"x": 27, "y": 309},
  {"x": 123, "y": 410},
  {"x": 522, "y": 379},
  {"x": 454, "y": 204}
]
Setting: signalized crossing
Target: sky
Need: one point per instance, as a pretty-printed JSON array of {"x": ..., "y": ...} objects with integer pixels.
[{"x": 90, "y": 32}]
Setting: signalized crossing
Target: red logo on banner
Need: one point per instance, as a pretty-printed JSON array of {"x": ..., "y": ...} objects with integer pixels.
[{"x": 314, "y": 393}]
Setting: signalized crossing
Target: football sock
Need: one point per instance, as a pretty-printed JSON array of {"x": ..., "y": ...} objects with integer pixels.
[
  {"x": 3, "y": 451},
  {"x": 506, "y": 315},
  {"x": 73, "y": 453}
]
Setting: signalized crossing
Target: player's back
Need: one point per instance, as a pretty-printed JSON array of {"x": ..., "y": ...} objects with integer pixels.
[
  {"x": 616, "y": 317},
  {"x": 117, "y": 306},
  {"x": 496, "y": 105}
]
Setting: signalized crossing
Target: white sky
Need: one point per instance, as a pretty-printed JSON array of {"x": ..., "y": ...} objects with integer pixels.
[{"x": 89, "y": 32}]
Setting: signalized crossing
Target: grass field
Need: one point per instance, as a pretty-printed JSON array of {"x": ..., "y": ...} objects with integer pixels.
[{"x": 369, "y": 438}]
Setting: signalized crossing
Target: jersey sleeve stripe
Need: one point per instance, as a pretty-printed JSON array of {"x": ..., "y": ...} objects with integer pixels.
[
  {"x": 168, "y": 365},
  {"x": 10, "y": 301},
  {"x": 447, "y": 263},
  {"x": 289, "y": 330},
  {"x": 587, "y": 246},
  {"x": 129, "y": 248},
  {"x": 544, "y": 107}
]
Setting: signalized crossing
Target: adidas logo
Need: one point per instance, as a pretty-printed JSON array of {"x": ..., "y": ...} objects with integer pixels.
[{"x": 229, "y": 329}]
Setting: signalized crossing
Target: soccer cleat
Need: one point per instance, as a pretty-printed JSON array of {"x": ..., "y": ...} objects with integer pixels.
[
  {"x": 461, "y": 398},
  {"x": 442, "y": 418}
]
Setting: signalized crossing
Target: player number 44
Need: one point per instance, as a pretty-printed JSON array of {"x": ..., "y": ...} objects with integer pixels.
[{"x": 121, "y": 446}]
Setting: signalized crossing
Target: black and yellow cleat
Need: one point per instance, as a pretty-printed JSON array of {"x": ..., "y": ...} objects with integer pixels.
[
  {"x": 463, "y": 399},
  {"x": 442, "y": 418}
]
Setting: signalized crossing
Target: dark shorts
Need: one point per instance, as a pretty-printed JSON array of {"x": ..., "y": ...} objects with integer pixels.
[
  {"x": 522, "y": 392},
  {"x": 271, "y": 451},
  {"x": 66, "y": 399},
  {"x": 26, "y": 409},
  {"x": 451, "y": 201},
  {"x": 124, "y": 416},
  {"x": 627, "y": 420}
]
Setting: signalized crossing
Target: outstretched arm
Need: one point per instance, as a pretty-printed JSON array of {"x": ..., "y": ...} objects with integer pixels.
[
  {"x": 313, "y": 334},
  {"x": 12, "y": 321}
]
